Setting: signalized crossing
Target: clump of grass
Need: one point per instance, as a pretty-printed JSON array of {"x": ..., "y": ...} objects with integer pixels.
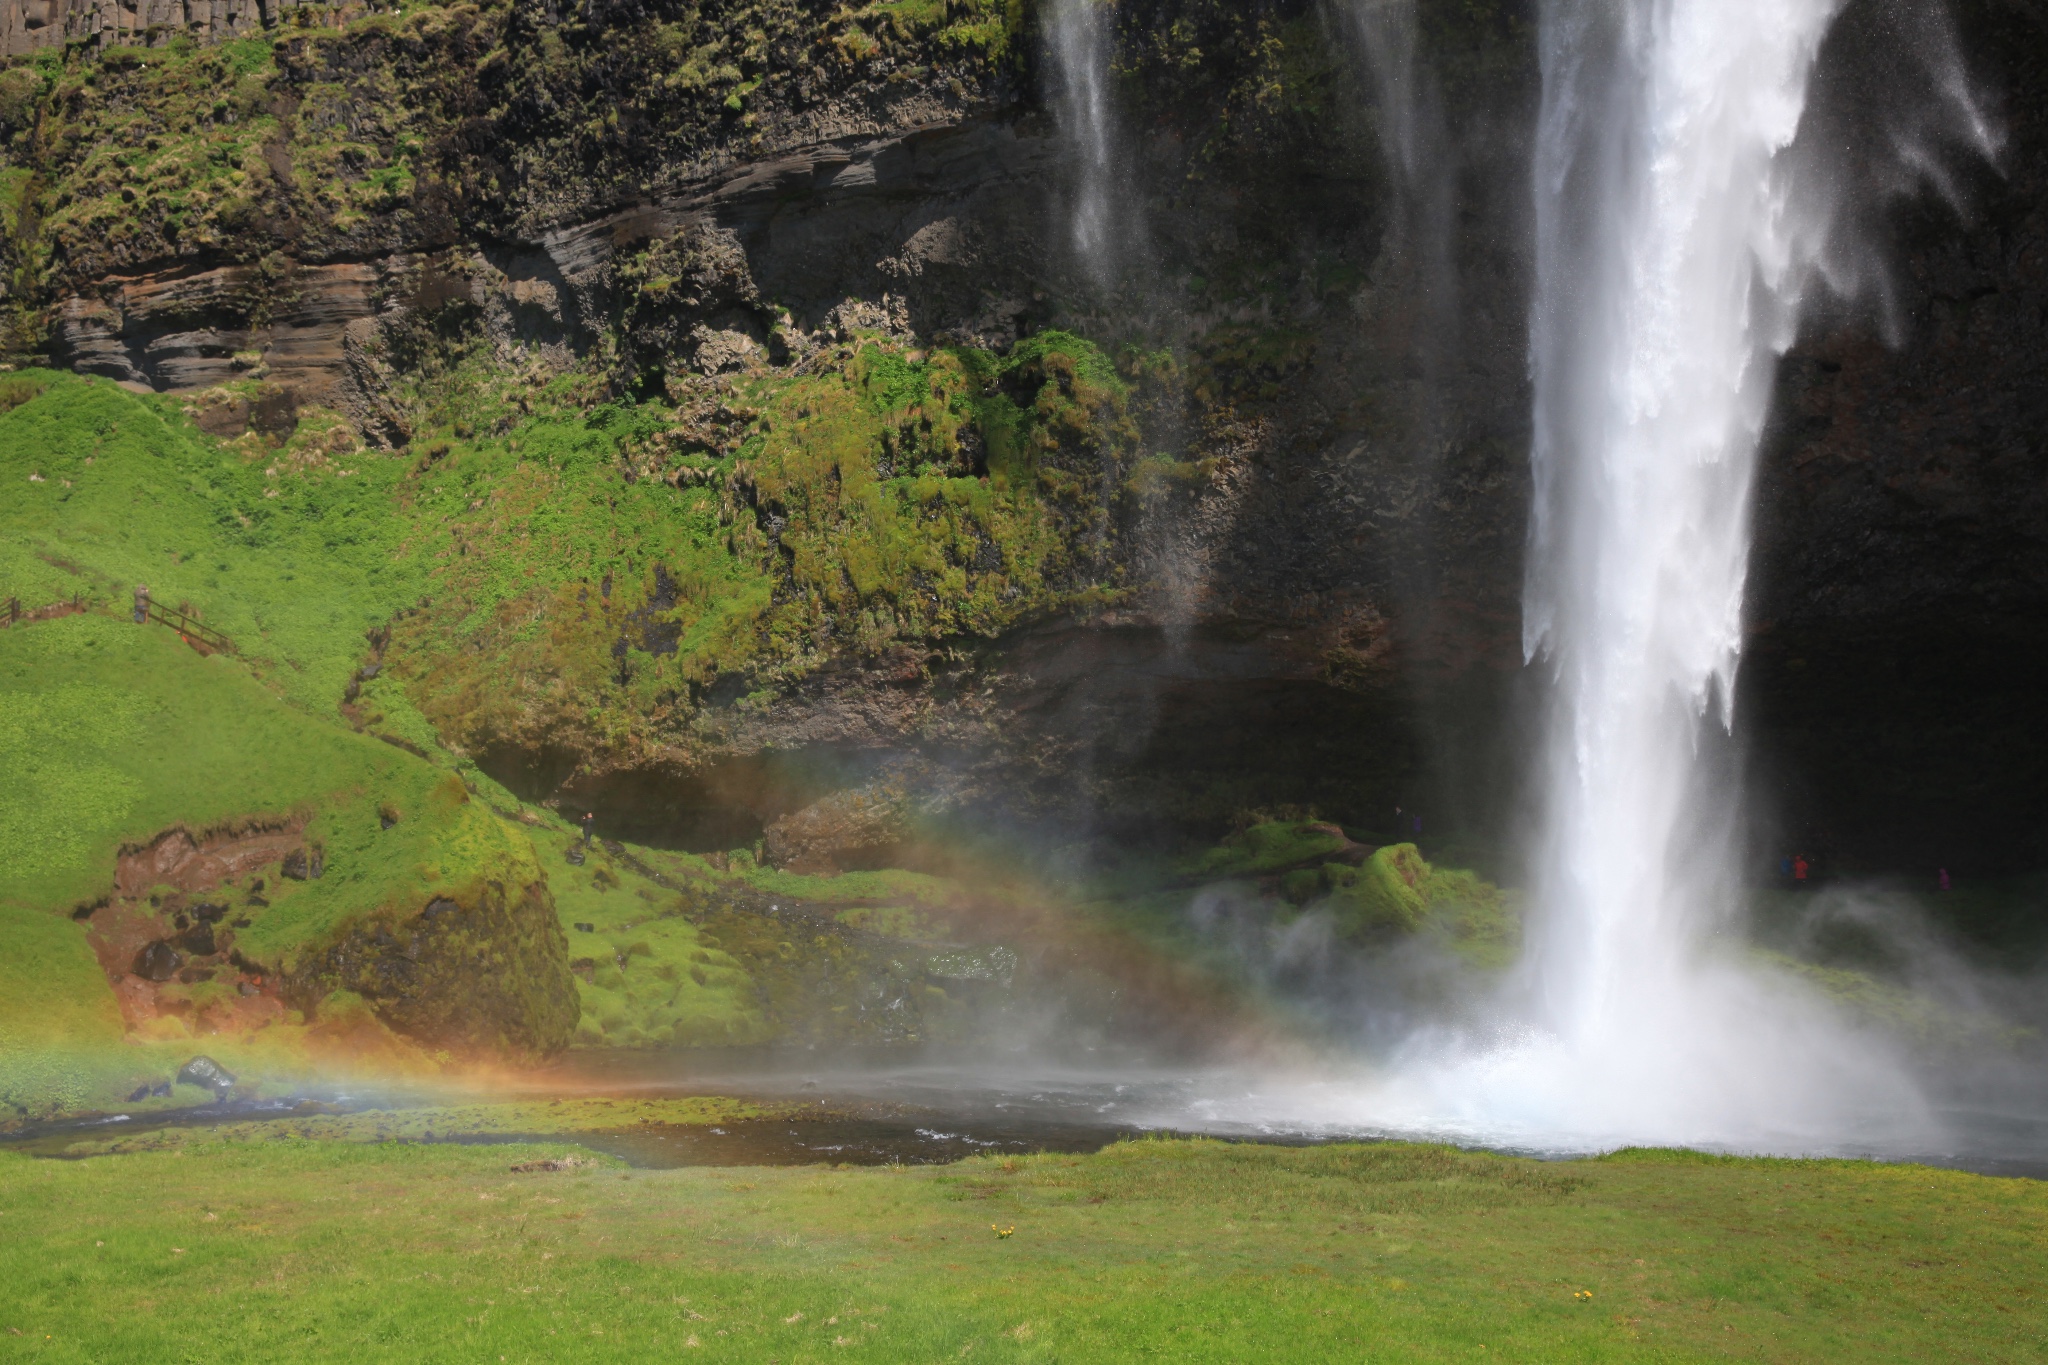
[
  {"x": 1397, "y": 892},
  {"x": 1267, "y": 846}
]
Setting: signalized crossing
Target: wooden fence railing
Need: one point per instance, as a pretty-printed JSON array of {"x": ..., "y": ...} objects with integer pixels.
[
  {"x": 15, "y": 614},
  {"x": 190, "y": 628}
]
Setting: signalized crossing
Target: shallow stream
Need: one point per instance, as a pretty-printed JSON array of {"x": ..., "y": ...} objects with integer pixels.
[{"x": 881, "y": 1108}]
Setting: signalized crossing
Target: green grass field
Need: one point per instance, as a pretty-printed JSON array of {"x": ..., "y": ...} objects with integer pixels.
[{"x": 1152, "y": 1250}]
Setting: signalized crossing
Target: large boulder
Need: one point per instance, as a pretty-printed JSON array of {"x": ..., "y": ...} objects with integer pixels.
[
  {"x": 207, "y": 1074},
  {"x": 476, "y": 972},
  {"x": 158, "y": 962}
]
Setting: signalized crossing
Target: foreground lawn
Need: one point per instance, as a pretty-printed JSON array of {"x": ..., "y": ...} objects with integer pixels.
[{"x": 293, "y": 1250}]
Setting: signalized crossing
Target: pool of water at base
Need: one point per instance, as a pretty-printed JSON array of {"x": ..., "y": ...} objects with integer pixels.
[{"x": 882, "y": 1108}]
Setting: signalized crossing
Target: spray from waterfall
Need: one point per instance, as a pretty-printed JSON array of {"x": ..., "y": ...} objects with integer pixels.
[
  {"x": 1120, "y": 297},
  {"x": 1692, "y": 198},
  {"x": 1102, "y": 211}
]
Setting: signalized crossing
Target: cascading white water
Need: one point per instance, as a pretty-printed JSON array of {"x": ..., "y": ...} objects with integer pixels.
[
  {"x": 1389, "y": 33},
  {"x": 1672, "y": 253},
  {"x": 1079, "y": 39},
  {"x": 1671, "y": 258},
  {"x": 1669, "y": 266}
]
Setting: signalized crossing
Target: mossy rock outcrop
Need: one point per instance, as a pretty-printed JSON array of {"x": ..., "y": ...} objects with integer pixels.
[
  {"x": 484, "y": 975},
  {"x": 1375, "y": 897},
  {"x": 1396, "y": 893},
  {"x": 670, "y": 951},
  {"x": 1267, "y": 847}
]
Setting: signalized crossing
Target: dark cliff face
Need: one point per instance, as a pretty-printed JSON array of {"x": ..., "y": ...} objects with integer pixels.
[
  {"x": 1898, "y": 676},
  {"x": 1316, "y": 604}
]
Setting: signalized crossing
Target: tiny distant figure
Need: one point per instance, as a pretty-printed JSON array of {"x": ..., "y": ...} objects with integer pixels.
[
  {"x": 1944, "y": 879},
  {"x": 589, "y": 820},
  {"x": 141, "y": 603},
  {"x": 1800, "y": 867},
  {"x": 1418, "y": 827},
  {"x": 1785, "y": 868}
]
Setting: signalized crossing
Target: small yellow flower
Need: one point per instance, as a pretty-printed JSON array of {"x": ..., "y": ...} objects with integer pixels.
[
  {"x": 1582, "y": 1294},
  {"x": 1001, "y": 1231}
]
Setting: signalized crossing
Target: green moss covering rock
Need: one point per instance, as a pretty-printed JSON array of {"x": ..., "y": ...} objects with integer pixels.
[
  {"x": 479, "y": 969},
  {"x": 644, "y": 975},
  {"x": 1268, "y": 846},
  {"x": 1373, "y": 896},
  {"x": 1396, "y": 893}
]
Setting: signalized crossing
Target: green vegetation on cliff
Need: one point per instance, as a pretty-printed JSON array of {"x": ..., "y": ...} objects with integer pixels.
[
  {"x": 1197, "y": 1250},
  {"x": 556, "y": 568},
  {"x": 594, "y": 571},
  {"x": 319, "y": 141}
]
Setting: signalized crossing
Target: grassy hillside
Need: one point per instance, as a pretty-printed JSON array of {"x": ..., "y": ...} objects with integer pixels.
[
  {"x": 294, "y": 553},
  {"x": 116, "y": 732},
  {"x": 1197, "y": 1251},
  {"x": 560, "y": 569},
  {"x": 112, "y": 733}
]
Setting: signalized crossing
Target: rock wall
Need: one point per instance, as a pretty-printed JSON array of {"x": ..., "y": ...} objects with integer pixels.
[
  {"x": 1332, "y": 617},
  {"x": 1898, "y": 675},
  {"x": 26, "y": 25}
]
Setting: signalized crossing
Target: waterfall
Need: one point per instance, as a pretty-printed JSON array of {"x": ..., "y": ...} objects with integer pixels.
[
  {"x": 1389, "y": 33},
  {"x": 1671, "y": 257},
  {"x": 1669, "y": 268},
  {"x": 1415, "y": 269},
  {"x": 1080, "y": 38},
  {"x": 1674, "y": 244}
]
